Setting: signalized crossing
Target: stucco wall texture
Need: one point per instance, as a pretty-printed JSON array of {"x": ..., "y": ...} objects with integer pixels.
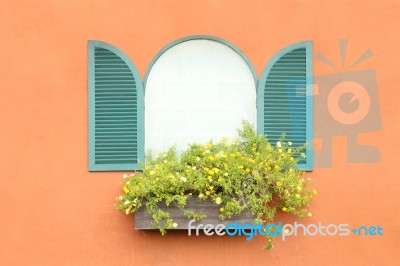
[{"x": 55, "y": 212}]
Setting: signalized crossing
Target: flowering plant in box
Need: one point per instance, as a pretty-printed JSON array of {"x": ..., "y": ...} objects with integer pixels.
[{"x": 249, "y": 173}]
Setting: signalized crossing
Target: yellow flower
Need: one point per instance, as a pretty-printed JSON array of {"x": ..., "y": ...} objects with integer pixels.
[
  {"x": 226, "y": 174},
  {"x": 208, "y": 193},
  {"x": 233, "y": 155},
  {"x": 225, "y": 156},
  {"x": 240, "y": 166},
  {"x": 298, "y": 196},
  {"x": 201, "y": 195},
  {"x": 277, "y": 168},
  {"x": 284, "y": 209},
  {"x": 216, "y": 170},
  {"x": 289, "y": 150},
  {"x": 309, "y": 214},
  {"x": 211, "y": 172},
  {"x": 152, "y": 172},
  {"x": 299, "y": 188},
  {"x": 254, "y": 149},
  {"x": 208, "y": 145},
  {"x": 248, "y": 170},
  {"x": 125, "y": 189},
  {"x": 211, "y": 158},
  {"x": 279, "y": 183},
  {"x": 206, "y": 169},
  {"x": 221, "y": 209},
  {"x": 218, "y": 200},
  {"x": 315, "y": 192}
]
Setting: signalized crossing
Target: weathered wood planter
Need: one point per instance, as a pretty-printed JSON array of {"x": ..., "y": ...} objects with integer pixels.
[{"x": 143, "y": 219}]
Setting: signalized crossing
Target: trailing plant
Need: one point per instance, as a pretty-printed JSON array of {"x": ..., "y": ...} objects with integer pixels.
[{"x": 249, "y": 173}]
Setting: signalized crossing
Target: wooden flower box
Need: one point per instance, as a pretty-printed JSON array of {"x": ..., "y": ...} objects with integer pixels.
[{"x": 143, "y": 219}]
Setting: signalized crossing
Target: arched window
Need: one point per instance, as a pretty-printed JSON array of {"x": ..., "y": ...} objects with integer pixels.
[
  {"x": 196, "y": 89},
  {"x": 284, "y": 99},
  {"x": 116, "y": 110}
]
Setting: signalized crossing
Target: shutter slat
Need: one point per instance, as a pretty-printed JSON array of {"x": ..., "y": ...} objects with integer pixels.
[
  {"x": 113, "y": 101},
  {"x": 105, "y": 107},
  {"x": 117, "y": 162},
  {"x": 116, "y": 152},
  {"x": 115, "y": 134},
  {"x": 101, "y": 77},
  {"x": 113, "y": 149},
  {"x": 110, "y": 138},
  {"x": 121, "y": 96},
  {"x": 113, "y": 111}
]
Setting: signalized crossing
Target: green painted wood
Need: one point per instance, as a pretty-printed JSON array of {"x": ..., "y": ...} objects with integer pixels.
[
  {"x": 284, "y": 99},
  {"x": 116, "y": 110}
]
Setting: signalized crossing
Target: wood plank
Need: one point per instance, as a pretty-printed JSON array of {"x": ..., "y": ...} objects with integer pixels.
[{"x": 143, "y": 220}]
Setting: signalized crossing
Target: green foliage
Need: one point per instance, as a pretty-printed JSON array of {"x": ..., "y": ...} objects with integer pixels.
[{"x": 248, "y": 173}]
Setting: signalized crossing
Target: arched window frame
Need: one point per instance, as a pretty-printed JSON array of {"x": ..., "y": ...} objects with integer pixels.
[{"x": 200, "y": 37}]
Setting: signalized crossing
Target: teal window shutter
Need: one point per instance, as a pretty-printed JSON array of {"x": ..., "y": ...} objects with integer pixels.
[
  {"x": 116, "y": 110},
  {"x": 284, "y": 99}
]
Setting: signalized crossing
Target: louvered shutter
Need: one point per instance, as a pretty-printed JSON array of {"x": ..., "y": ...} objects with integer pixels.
[
  {"x": 285, "y": 99},
  {"x": 116, "y": 110}
]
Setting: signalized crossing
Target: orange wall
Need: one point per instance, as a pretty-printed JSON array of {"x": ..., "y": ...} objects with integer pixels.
[{"x": 53, "y": 211}]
